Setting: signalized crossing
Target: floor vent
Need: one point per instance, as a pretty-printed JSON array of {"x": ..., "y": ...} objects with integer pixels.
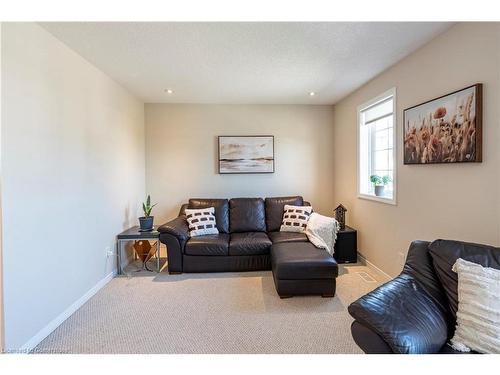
[{"x": 366, "y": 277}]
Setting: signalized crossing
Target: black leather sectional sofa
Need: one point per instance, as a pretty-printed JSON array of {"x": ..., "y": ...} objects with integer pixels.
[
  {"x": 249, "y": 240},
  {"x": 416, "y": 312}
]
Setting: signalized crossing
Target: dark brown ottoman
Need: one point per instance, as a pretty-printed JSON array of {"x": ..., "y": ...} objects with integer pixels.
[{"x": 299, "y": 268}]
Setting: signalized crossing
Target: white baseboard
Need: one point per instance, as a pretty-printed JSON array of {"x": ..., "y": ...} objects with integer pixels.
[
  {"x": 49, "y": 328},
  {"x": 373, "y": 266}
]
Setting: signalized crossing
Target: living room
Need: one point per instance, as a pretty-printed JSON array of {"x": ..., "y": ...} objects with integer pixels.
[{"x": 204, "y": 187}]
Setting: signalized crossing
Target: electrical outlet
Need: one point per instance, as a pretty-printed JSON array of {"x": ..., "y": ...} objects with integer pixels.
[
  {"x": 402, "y": 259},
  {"x": 108, "y": 251}
]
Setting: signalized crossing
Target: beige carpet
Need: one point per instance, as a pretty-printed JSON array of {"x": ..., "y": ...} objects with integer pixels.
[{"x": 210, "y": 313}]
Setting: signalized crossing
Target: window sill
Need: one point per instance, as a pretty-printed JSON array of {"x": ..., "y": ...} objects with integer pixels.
[{"x": 370, "y": 197}]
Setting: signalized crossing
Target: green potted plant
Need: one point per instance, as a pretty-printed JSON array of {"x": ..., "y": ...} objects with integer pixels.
[
  {"x": 146, "y": 221},
  {"x": 379, "y": 183}
]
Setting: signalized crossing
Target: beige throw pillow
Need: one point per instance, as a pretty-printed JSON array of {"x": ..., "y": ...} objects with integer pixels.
[{"x": 478, "y": 316}]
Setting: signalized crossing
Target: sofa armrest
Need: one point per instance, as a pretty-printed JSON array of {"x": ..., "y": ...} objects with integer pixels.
[
  {"x": 404, "y": 315},
  {"x": 368, "y": 340},
  {"x": 174, "y": 235},
  {"x": 177, "y": 227}
]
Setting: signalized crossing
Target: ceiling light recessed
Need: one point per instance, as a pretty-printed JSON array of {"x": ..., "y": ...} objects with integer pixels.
[
  {"x": 169, "y": 91},
  {"x": 312, "y": 93}
]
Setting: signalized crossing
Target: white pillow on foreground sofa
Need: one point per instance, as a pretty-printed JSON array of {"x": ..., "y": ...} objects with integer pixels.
[{"x": 478, "y": 315}]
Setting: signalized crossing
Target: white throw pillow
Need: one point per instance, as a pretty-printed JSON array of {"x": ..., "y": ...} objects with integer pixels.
[
  {"x": 201, "y": 221},
  {"x": 295, "y": 218},
  {"x": 478, "y": 315}
]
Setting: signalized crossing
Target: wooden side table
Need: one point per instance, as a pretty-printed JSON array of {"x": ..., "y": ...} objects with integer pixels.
[
  {"x": 346, "y": 246},
  {"x": 133, "y": 234}
]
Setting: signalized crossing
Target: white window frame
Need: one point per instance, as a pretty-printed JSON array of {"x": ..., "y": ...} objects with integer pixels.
[{"x": 360, "y": 109}]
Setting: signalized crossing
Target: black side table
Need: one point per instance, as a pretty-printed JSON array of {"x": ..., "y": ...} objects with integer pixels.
[
  {"x": 346, "y": 246},
  {"x": 133, "y": 234}
]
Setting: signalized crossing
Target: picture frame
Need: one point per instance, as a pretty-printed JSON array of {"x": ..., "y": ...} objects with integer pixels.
[
  {"x": 245, "y": 154},
  {"x": 446, "y": 129}
]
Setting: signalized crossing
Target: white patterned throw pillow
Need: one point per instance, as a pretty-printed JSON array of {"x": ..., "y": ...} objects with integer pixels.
[
  {"x": 201, "y": 221},
  {"x": 478, "y": 315},
  {"x": 295, "y": 218}
]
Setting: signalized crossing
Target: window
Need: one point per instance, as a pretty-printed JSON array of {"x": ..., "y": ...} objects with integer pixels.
[{"x": 376, "y": 149}]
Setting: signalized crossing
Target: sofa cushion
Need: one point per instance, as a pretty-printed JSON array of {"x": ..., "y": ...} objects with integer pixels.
[
  {"x": 274, "y": 210},
  {"x": 445, "y": 253},
  {"x": 221, "y": 210},
  {"x": 212, "y": 244},
  {"x": 278, "y": 237},
  {"x": 419, "y": 265},
  {"x": 302, "y": 261},
  {"x": 247, "y": 215},
  {"x": 249, "y": 243}
]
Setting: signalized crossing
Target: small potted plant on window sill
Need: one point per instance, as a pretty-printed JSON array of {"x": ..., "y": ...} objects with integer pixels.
[
  {"x": 146, "y": 221},
  {"x": 379, "y": 183}
]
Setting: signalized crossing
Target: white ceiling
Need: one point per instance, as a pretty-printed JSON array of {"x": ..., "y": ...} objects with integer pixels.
[{"x": 256, "y": 63}]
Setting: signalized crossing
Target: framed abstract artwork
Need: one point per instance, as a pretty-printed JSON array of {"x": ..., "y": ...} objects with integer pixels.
[
  {"x": 246, "y": 154},
  {"x": 447, "y": 129}
]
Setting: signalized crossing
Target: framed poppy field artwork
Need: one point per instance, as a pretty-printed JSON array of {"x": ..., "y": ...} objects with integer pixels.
[{"x": 447, "y": 129}]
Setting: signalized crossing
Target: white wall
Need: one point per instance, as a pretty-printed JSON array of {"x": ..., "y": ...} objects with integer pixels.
[
  {"x": 457, "y": 201},
  {"x": 73, "y": 176},
  {"x": 181, "y": 153}
]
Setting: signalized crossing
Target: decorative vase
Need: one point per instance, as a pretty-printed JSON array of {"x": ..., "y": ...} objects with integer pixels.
[
  {"x": 379, "y": 190},
  {"x": 146, "y": 223}
]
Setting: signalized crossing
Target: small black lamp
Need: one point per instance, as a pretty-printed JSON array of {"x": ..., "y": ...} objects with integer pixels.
[{"x": 340, "y": 215}]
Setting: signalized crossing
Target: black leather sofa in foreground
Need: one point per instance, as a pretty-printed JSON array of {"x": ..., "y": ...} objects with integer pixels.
[
  {"x": 249, "y": 240},
  {"x": 416, "y": 311}
]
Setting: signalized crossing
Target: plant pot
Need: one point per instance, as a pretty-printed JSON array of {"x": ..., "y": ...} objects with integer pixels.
[
  {"x": 146, "y": 223},
  {"x": 379, "y": 190}
]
